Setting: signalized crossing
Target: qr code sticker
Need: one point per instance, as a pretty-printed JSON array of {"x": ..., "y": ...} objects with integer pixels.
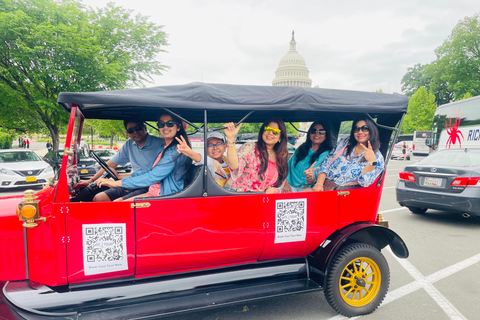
[
  {"x": 104, "y": 248},
  {"x": 290, "y": 220}
]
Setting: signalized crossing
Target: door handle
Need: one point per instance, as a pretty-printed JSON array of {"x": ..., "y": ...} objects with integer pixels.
[{"x": 343, "y": 193}]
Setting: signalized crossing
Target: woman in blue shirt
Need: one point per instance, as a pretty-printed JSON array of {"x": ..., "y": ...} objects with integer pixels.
[
  {"x": 355, "y": 160},
  {"x": 308, "y": 157},
  {"x": 168, "y": 173}
]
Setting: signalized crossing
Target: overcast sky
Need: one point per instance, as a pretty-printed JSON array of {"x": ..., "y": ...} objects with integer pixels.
[{"x": 347, "y": 44}]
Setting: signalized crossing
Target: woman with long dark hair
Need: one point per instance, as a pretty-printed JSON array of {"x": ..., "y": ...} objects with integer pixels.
[
  {"x": 168, "y": 173},
  {"x": 355, "y": 160},
  {"x": 262, "y": 165},
  {"x": 308, "y": 157}
]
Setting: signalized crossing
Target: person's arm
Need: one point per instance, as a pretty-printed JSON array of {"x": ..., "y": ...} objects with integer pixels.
[
  {"x": 369, "y": 177},
  {"x": 320, "y": 181},
  {"x": 369, "y": 155},
  {"x": 110, "y": 164},
  {"x": 182, "y": 147},
  {"x": 230, "y": 133}
]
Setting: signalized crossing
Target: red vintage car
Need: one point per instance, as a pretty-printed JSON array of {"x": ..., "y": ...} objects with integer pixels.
[{"x": 203, "y": 246}]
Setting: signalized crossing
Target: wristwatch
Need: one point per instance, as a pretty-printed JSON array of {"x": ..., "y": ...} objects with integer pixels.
[{"x": 372, "y": 163}]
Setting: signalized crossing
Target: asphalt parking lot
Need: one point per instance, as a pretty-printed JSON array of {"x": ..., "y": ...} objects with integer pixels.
[{"x": 438, "y": 281}]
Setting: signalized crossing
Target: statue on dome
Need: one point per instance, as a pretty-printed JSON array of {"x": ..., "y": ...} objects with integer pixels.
[{"x": 293, "y": 35}]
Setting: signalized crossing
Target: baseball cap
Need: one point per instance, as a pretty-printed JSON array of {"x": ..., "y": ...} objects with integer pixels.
[{"x": 215, "y": 134}]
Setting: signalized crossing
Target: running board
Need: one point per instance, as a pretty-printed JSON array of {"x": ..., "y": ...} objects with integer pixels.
[{"x": 162, "y": 296}]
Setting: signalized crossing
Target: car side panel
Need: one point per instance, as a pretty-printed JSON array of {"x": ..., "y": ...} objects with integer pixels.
[
  {"x": 180, "y": 235},
  {"x": 88, "y": 226},
  {"x": 289, "y": 234}
]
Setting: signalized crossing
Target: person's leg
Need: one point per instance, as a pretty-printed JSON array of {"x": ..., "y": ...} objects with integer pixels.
[
  {"x": 110, "y": 194},
  {"x": 137, "y": 193},
  {"x": 143, "y": 195}
]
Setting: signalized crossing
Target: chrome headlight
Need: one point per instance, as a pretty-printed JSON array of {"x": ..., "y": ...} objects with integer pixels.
[{"x": 7, "y": 172}]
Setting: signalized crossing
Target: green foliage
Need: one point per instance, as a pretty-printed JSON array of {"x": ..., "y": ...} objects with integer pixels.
[
  {"x": 5, "y": 141},
  {"x": 466, "y": 96},
  {"x": 53, "y": 46},
  {"x": 421, "y": 109},
  {"x": 456, "y": 69},
  {"x": 105, "y": 128}
]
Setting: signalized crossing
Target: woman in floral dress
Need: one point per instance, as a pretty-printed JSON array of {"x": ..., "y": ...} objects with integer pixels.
[{"x": 262, "y": 165}]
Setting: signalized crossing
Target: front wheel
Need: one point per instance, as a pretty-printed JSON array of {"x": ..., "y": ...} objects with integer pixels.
[{"x": 357, "y": 280}]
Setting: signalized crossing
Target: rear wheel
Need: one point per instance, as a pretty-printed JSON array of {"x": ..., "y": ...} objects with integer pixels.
[
  {"x": 357, "y": 280},
  {"x": 417, "y": 210}
]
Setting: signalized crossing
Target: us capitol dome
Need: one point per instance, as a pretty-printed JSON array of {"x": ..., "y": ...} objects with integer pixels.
[{"x": 292, "y": 69}]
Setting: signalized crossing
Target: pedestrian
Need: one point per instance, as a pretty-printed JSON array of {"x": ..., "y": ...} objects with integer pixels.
[
  {"x": 28, "y": 144},
  {"x": 49, "y": 145},
  {"x": 404, "y": 150}
]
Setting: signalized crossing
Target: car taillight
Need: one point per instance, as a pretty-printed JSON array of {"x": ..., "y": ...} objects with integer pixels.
[
  {"x": 466, "y": 182},
  {"x": 413, "y": 147},
  {"x": 407, "y": 176}
]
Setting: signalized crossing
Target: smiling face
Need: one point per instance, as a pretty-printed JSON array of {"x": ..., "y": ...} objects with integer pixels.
[
  {"x": 270, "y": 138},
  {"x": 168, "y": 133},
  {"x": 138, "y": 136},
  {"x": 217, "y": 151},
  {"x": 362, "y": 136},
  {"x": 316, "y": 137}
]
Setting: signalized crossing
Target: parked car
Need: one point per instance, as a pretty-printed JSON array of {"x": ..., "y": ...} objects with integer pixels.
[
  {"x": 397, "y": 152},
  {"x": 107, "y": 154},
  {"x": 87, "y": 167},
  {"x": 446, "y": 180},
  {"x": 204, "y": 246},
  {"x": 20, "y": 168},
  {"x": 291, "y": 138}
]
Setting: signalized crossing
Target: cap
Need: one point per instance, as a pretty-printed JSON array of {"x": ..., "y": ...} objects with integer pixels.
[{"x": 215, "y": 134}]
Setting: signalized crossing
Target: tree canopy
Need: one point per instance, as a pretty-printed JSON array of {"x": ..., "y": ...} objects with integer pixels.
[
  {"x": 53, "y": 46},
  {"x": 421, "y": 109},
  {"x": 456, "y": 69}
]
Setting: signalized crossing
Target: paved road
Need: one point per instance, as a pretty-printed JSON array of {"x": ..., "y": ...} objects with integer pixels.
[{"x": 438, "y": 281}]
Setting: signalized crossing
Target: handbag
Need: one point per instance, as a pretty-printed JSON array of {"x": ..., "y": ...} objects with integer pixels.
[{"x": 329, "y": 185}]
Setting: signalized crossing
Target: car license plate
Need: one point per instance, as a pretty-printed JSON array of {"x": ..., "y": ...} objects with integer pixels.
[
  {"x": 84, "y": 171},
  {"x": 434, "y": 182},
  {"x": 30, "y": 179}
]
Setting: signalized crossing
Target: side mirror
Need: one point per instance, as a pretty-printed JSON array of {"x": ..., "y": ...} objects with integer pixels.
[
  {"x": 86, "y": 150},
  {"x": 428, "y": 142}
]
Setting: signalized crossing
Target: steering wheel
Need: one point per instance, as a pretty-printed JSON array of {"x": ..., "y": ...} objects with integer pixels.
[{"x": 103, "y": 164}]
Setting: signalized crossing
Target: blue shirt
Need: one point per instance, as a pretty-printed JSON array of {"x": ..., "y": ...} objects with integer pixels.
[
  {"x": 170, "y": 171},
  {"x": 141, "y": 158},
  {"x": 343, "y": 171},
  {"x": 296, "y": 177}
]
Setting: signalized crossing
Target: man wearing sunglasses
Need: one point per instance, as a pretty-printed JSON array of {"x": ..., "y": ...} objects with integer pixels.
[
  {"x": 140, "y": 150},
  {"x": 216, "y": 162}
]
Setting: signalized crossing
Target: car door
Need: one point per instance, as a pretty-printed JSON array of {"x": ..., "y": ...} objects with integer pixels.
[{"x": 195, "y": 233}]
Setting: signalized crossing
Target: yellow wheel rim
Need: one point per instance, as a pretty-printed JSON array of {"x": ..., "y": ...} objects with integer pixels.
[{"x": 360, "y": 281}]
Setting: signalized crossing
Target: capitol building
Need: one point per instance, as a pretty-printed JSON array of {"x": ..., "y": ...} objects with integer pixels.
[{"x": 292, "y": 69}]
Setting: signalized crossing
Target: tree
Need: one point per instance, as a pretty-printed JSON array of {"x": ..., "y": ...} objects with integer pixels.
[
  {"x": 459, "y": 58},
  {"x": 421, "y": 109},
  {"x": 415, "y": 78},
  {"x": 105, "y": 128},
  {"x": 53, "y": 46}
]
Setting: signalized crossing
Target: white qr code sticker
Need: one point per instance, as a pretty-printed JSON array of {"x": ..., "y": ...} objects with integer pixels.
[
  {"x": 104, "y": 248},
  {"x": 290, "y": 220}
]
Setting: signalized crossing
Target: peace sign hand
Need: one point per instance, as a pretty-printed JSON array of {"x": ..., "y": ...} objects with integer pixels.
[
  {"x": 310, "y": 171},
  {"x": 369, "y": 155},
  {"x": 182, "y": 147}
]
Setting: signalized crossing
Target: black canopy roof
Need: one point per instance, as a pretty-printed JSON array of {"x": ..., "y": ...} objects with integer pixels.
[{"x": 225, "y": 102}]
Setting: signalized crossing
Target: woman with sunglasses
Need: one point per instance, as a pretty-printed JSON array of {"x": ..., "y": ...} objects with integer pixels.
[
  {"x": 308, "y": 158},
  {"x": 168, "y": 171},
  {"x": 260, "y": 166},
  {"x": 355, "y": 160}
]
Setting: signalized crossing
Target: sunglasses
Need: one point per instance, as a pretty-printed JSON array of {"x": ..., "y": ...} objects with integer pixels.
[
  {"x": 218, "y": 145},
  {"x": 138, "y": 127},
  {"x": 169, "y": 123},
  {"x": 276, "y": 132},
  {"x": 363, "y": 128},
  {"x": 319, "y": 131}
]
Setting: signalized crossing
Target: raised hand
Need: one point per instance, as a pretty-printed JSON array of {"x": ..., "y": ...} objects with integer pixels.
[
  {"x": 230, "y": 130},
  {"x": 310, "y": 171},
  {"x": 369, "y": 155},
  {"x": 182, "y": 147}
]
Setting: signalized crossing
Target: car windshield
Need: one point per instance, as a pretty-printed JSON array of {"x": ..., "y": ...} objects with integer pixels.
[
  {"x": 6, "y": 157},
  {"x": 457, "y": 158}
]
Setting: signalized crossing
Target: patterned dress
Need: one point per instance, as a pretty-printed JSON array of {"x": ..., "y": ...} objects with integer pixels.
[{"x": 343, "y": 171}]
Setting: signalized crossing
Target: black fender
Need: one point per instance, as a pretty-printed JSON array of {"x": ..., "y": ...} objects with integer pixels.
[{"x": 363, "y": 232}]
